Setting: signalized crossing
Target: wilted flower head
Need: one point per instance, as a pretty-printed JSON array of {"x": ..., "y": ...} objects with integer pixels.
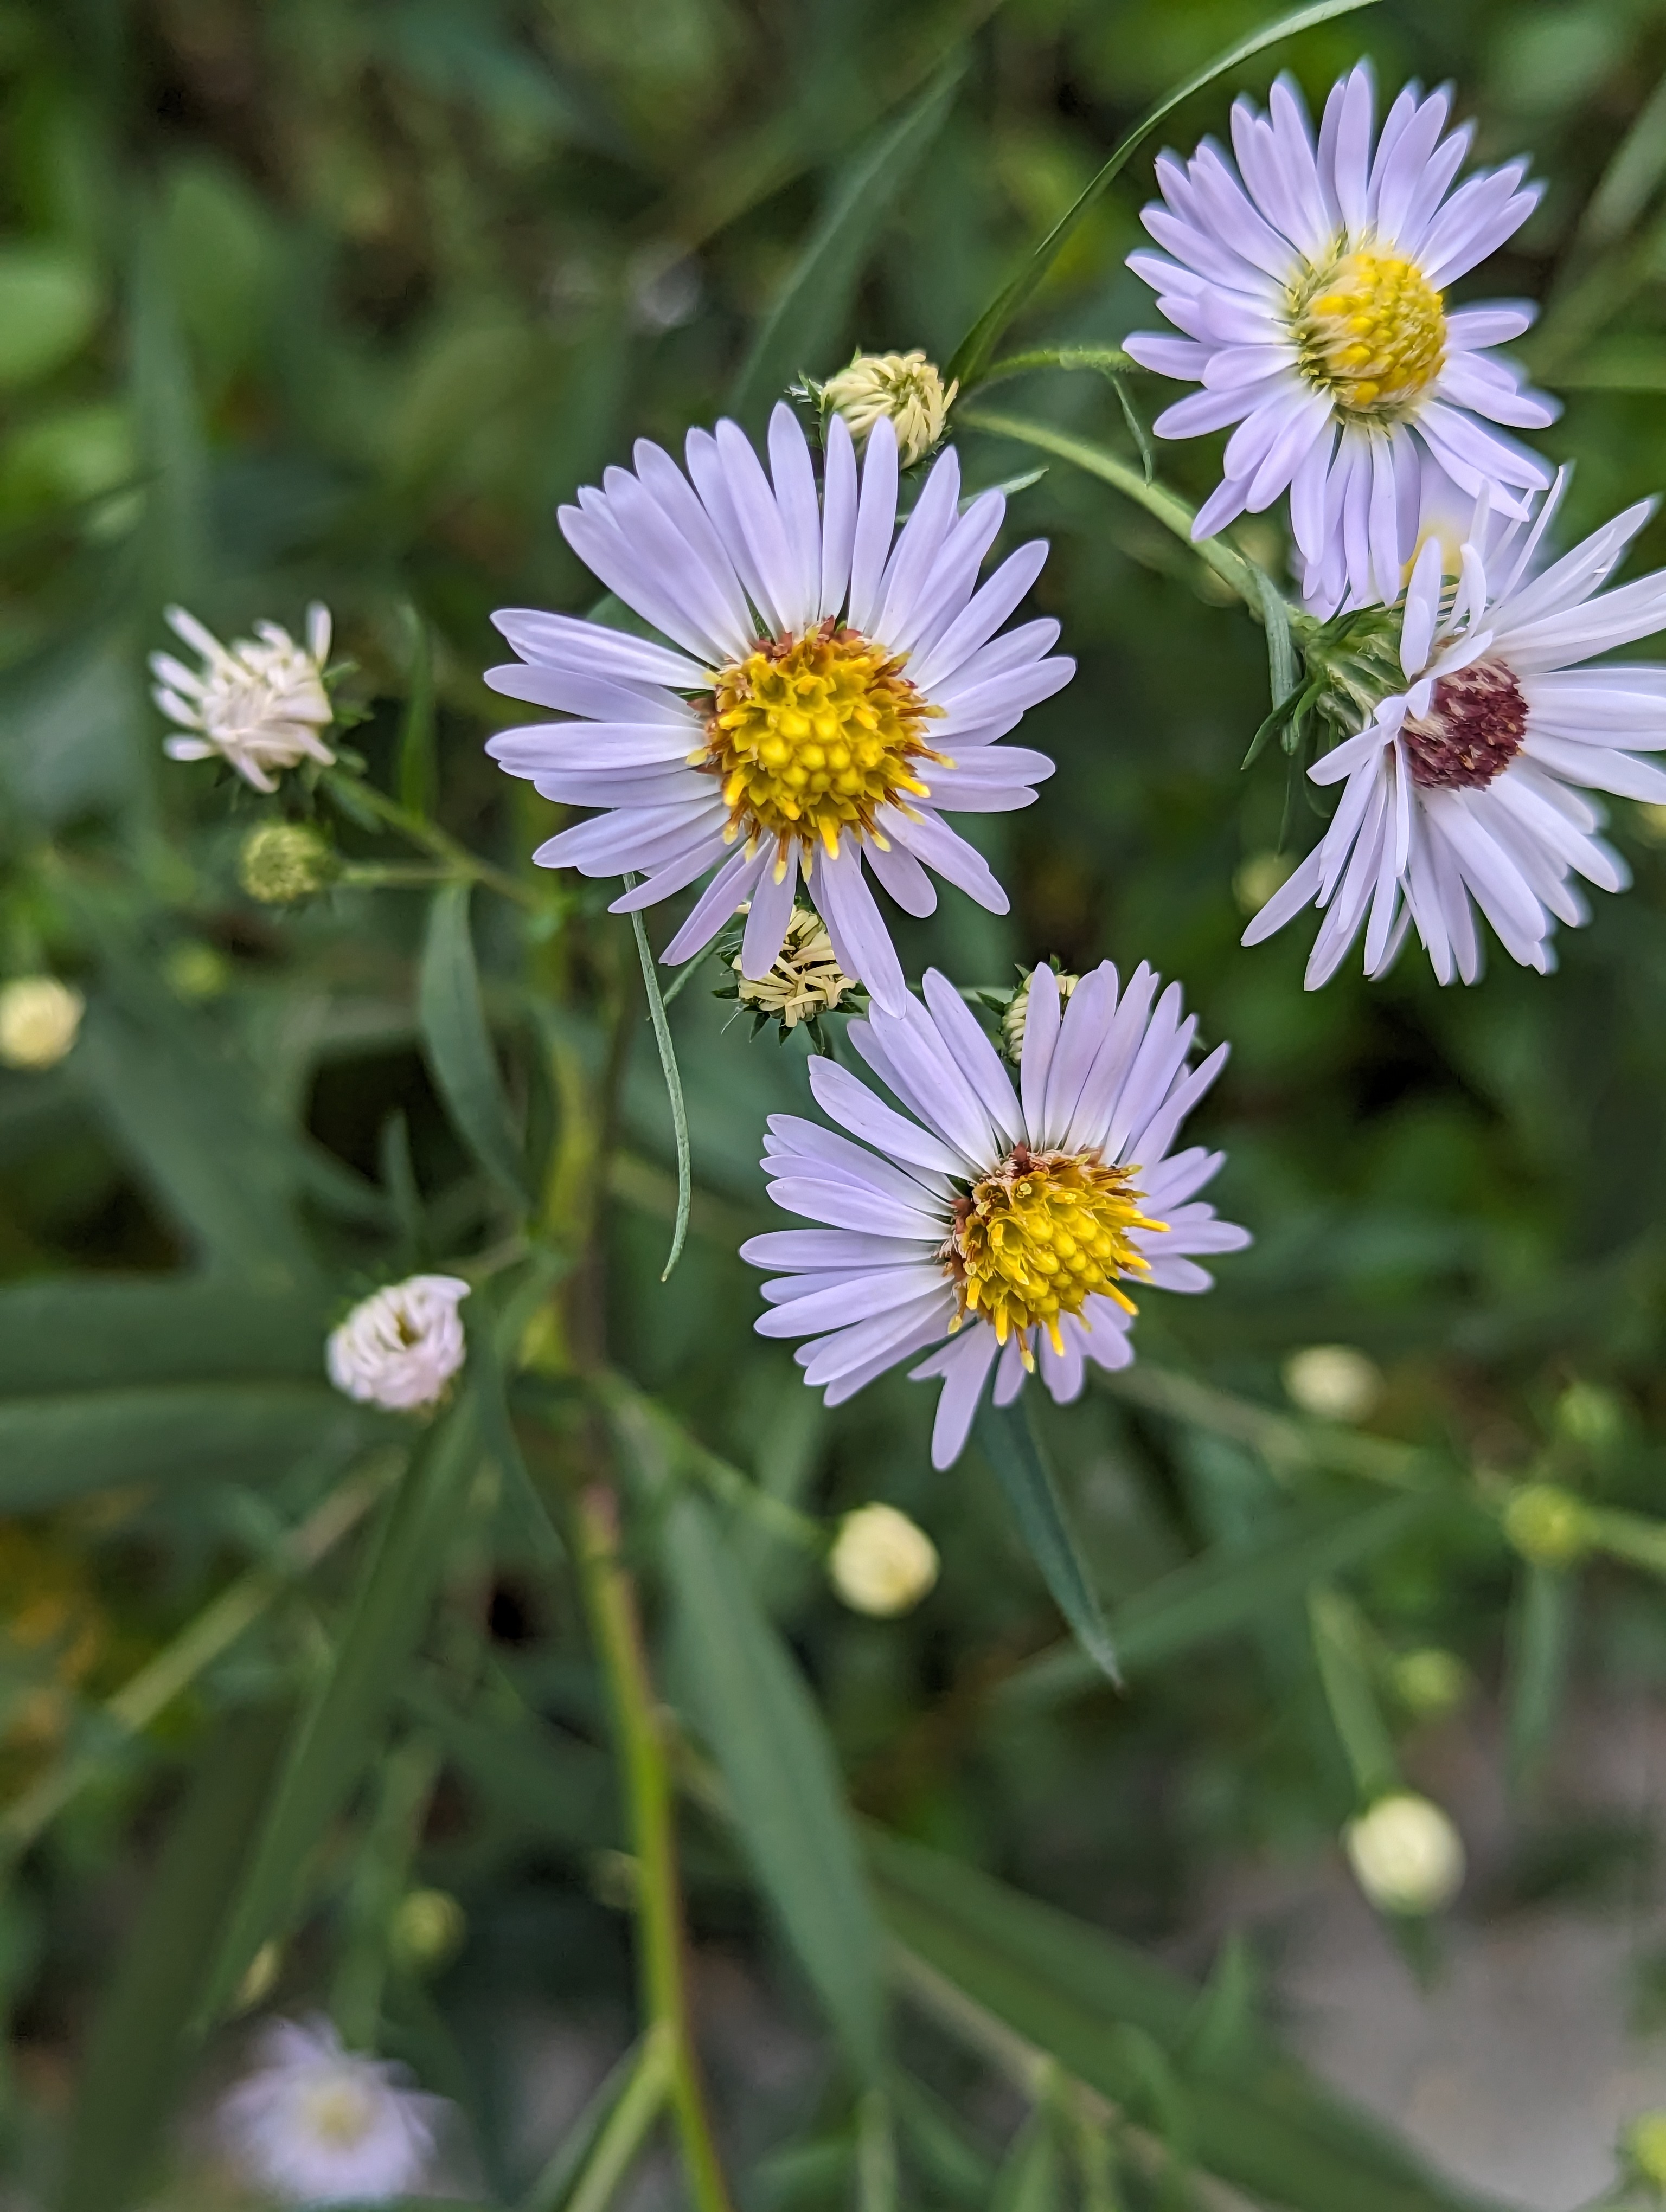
[
  {"x": 905, "y": 386},
  {"x": 40, "y": 1018},
  {"x": 283, "y": 861},
  {"x": 259, "y": 703},
  {"x": 400, "y": 1348},
  {"x": 1405, "y": 1855},
  {"x": 316, "y": 2125},
  {"x": 806, "y": 981},
  {"x": 881, "y": 1563}
]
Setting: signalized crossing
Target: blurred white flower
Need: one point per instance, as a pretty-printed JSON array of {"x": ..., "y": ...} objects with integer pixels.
[
  {"x": 904, "y": 387},
  {"x": 259, "y": 703},
  {"x": 401, "y": 1346},
  {"x": 316, "y": 2125},
  {"x": 1333, "y": 1382},
  {"x": 1405, "y": 1855},
  {"x": 881, "y": 1563},
  {"x": 40, "y": 1018}
]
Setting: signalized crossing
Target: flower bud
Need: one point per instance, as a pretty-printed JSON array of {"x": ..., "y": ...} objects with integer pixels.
[
  {"x": 428, "y": 1928},
  {"x": 1405, "y": 1855},
  {"x": 259, "y": 1979},
  {"x": 805, "y": 980},
  {"x": 196, "y": 971},
  {"x": 905, "y": 386},
  {"x": 1333, "y": 1382},
  {"x": 881, "y": 1563},
  {"x": 283, "y": 862},
  {"x": 1431, "y": 1682},
  {"x": 1546, "y": 1525},
  {"x": 400, "y": 1348},
  {"x": 40, "y": 1018},
  {"x": 1018, "y": 1008},
  {"x": 1589, "y": 1417}
]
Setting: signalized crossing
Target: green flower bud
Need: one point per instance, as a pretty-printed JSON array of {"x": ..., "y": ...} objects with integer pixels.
[
  {"x": 283, "y": 862},
  {"x": 428, "y": 1928},
  {"x": 1546, "y": 1525}
]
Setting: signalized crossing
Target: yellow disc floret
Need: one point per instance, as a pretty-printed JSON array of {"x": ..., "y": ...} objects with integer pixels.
[
  {"x": 1371, "y": 330},
  {"x": 812, "y": 736},
  {"x": 1041, "y": 1236}
]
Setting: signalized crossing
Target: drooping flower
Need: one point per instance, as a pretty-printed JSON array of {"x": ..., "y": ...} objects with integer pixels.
[
  {"x": 314, "y": 2123},
  {"x": 260, "y": 703},
  {"x": 905, "y": 388},
  {"x": 39, "y": 1021},
  {"x": 1310, "y": 286},
  {"x": 882, "y": 1563},
  {"x": 400, "y": 1348},
  {"x": 1464, "y": 790},
  {"x": 1013, "y": 1223},
  {"x": 827, "y": 697}
]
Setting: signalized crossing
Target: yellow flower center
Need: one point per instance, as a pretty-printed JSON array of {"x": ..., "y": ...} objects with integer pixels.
[
  {"x": 812, "y": 736},
  {"x": 1041, "y": 1236},
  {"x": 1372, "y": 331},
  {"x": 340, "y": 2114}
]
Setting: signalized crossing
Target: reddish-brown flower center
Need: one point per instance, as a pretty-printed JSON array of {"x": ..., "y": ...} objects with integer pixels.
[{"x": 1473, "y": 729}]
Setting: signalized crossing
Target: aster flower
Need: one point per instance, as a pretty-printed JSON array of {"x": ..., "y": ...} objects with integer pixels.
[
  {"x": 317, "y": 2124},
  {"x": 828, "y": 696},
  {"x": 1011, "y": 1222},
  {"x": 1465, "y": 789},
  {"x": 1310, "y": 286},
  {"x": 259, "y": 703},
  {"x": 804, "y": 983},
  {"x": 400, "y": 1348}
]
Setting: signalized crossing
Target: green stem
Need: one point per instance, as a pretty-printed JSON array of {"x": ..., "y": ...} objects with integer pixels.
[
  {"x": 1109, "y": 361},
  {"x": 612, "y": 1606},
  {"x": 627, "y": 2123},
  {"x": 352, "y": 792}
]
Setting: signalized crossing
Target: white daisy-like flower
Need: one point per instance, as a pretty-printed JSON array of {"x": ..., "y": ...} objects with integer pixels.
[
  {"x": 316, "y": 2125},
  {"x": 1311, "y": 285},
  {"x": 1465, "y": 790},
  {"x": 259, "y": 702},
  {"x": 832, "y": 688},
  {"x": 1008, "y": 1221},
  {"x": 400, "y": 1346}
]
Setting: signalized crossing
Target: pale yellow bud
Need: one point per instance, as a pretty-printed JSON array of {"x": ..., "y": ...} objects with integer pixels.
[
  {"x": 1546, "y": 1525},
  {"x": 428, "y": 1928},
  {"x": 905, "y": 386},
  {"x": 195, "y": 971},
  {"x": 39, "y": 1019},
  {"x": 1405, "y": 1855},
  {"x": 881, "y": 1563},
  {"x": 1017, "y": 1010},
  {"x": 1431, "y": 1682},
  {"x": 1333, "y": 1382},
  {"x": 283, "y": 861},
  {"x": 805, "y": 981}
]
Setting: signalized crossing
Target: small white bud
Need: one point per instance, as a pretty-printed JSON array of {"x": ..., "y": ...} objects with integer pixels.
[
  {"x": 1333, "y": 1382},
  {"x": 1405, "y": 1855},
  {"x": 905, "y": 386},
  {"x": 40, "y": 1018},
  {"x": 401, "y": 1346},
  {"x": 881, "y": 1562}
]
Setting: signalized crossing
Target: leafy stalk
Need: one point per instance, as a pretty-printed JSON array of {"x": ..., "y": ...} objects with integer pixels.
[{"x": 679, "y": 1120}]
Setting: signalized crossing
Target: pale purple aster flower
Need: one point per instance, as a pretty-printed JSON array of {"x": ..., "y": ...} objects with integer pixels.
[
  {"x": 1006, "y": 1220},
  {"x": 1309, "y": 283},
  {"x": 314, "y": 2123},
  {"x": 400, "y": 1348},
  {"x": 832, "y": 688},
  {"x": 1466, "y": 789}
]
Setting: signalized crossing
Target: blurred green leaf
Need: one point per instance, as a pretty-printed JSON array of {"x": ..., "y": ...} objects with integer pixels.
[
  {"x": 1102, "y": 2010},
  {"x": 1031, "y": 2177},
  {"x": 340, "y": 1731},
  {"x": 800, "y": 329},
  {"x": 49, "y": 303},
  {"x": 788, "y": 1803},
  {"x": 140, "y": 2041},
  {"x": 459, "y": 1044},
  {"x": 1344, "y": 1670},
  {"x": 1006, "y": 1437},
  {"x": 974, "y": 350},
  {"x": 1539, "y": 1641}
]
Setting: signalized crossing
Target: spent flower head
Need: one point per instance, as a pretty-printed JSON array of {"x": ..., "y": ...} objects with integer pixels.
[
  {"x": 259, "y": 703},
  {"x": 313, "y": 2123},
  {"x": 805, "y": 981},
  {"x": 905, "y": 388},
  {"x": 400, "y": 1348},
  {"x": 40, "y": 1020}
]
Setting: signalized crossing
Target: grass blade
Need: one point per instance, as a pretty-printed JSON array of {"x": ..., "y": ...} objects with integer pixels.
[
  {"x": 1345, "y": 1671},
  {"x": 972, "y": 354},
  {"x": 1007, "y": 1438},
  {"x": 804, "y": 321},
  {"x": 1539, "y": 1641},
  {"x": 783, "y": 1784},
  {"x": 679, "y": 1118},
  {"x": 457, "y": 1044}
]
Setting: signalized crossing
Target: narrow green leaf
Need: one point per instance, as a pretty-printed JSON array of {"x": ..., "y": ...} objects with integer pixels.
[
  {"x": 1107, "y": 2013},
  {"x": 679, "y": 1118},
  {"x": 782, "y": 1781},
  {"x": 1629, "y": 182},
  {"x": 1539, "y": 1639},
  {"x": 1283, "y": 670},
  {"x": 340, "y": 1732},
  {"x": 82, "y": 1333},
  {"x": 974, "y": 350},
  {"x": 807, "y": 316},
  {"x": 140, "y": 2041},
  {"x": 418, "y": 775},
  {"x": 457, "y": 1044},
  {"x": 1031, "y": 2177},
  {"x": 1344, "y": 1667},
  {"x": 1007, "y": 1438}
]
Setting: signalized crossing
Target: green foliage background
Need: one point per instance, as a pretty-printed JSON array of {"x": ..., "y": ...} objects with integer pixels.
[{"x": 339, "y": 300}]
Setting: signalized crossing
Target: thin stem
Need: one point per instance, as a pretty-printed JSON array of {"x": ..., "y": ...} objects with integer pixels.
[
  {"x": 627, "y": 2123},
  {"x": 612, "y": 1604},
  {"x": 352, "y": 792}
]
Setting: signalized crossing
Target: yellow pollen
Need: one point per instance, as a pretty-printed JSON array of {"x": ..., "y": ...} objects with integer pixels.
[
  {"x": 1371, "y": 330},
  {"x": 340, "y": 2114},
  {"x": 812, "y": 736},
  {"x": 1041, "y": 1236}
]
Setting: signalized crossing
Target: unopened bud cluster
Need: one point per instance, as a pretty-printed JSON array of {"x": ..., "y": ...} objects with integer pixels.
[{"x": 905, "y": 386}]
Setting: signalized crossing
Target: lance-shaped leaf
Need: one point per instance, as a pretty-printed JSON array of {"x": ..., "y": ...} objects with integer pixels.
[
  {"x": 1006, "y": 1437},
  {"x": 457, "y": 1044}
]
